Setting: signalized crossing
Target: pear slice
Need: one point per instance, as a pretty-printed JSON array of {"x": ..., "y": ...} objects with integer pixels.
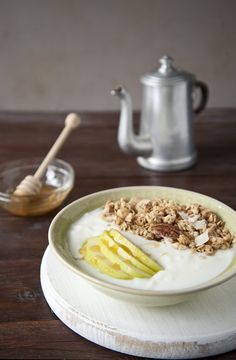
[
  {"x": 92, "y": 241},
  {"x": 95, "y": 258},
  {"x": 125, "y": 265},
  {"x": 135, "y": 251},
  {"x": 123, "y": 253}
]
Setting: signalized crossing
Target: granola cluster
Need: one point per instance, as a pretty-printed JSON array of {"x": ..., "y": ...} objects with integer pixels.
[{"x": 187, "y": 226}]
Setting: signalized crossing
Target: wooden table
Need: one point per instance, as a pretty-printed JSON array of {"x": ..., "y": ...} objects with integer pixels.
[{"x": 28, "y": 329}]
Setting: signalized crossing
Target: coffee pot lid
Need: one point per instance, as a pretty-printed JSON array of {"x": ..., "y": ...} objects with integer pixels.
[{"x": 166, "y": 74}]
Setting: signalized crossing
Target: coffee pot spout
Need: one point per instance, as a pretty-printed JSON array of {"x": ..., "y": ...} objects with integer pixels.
[{"x": 128, "y": 141}]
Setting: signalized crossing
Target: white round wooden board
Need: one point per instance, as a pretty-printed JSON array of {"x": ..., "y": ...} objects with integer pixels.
[{"x": 202, "y": 327}]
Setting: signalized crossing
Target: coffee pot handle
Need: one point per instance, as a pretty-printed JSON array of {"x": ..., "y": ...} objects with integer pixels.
[{"x": 204, "y": 96}]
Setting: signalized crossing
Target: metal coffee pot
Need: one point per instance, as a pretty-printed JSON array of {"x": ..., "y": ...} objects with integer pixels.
[{"x": 166, "y": 136}]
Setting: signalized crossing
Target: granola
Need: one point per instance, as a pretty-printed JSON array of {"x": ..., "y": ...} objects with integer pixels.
[{"x": 187, "y": 226}]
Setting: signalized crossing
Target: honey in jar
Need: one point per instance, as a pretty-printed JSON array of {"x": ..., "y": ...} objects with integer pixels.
[{"x": 47, "y": 200}]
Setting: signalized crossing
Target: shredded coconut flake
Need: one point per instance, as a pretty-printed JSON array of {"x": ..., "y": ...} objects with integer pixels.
[
  {"x": 199, "y": 224},
  {"x": 202, "y": 238},
  {"x": 183, "y": 215}
]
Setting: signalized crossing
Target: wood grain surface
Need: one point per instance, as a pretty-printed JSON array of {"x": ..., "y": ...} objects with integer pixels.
[{"x": 28, "y": 329}]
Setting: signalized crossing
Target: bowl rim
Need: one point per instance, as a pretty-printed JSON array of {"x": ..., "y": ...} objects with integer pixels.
[{"x": 124, "y": 289}]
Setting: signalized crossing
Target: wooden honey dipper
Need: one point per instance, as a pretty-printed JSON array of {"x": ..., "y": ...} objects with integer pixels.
[{"x": 31, "y": 184}]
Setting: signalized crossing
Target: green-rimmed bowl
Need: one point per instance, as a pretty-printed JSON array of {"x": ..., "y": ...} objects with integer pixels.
[{"x": 59, "y": 227}]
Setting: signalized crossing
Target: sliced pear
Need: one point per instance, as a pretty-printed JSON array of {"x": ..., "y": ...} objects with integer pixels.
[
  {"x": 123, "y": 253},
  {"x": 92, "y": 241},
  {"x": 135, "y": 251},
  {"x": 125, "y": 265},
  {"x": 95, "y": 258}
]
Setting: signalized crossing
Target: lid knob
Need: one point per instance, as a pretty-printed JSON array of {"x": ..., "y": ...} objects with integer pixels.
[{"x": 166, "y": 65}]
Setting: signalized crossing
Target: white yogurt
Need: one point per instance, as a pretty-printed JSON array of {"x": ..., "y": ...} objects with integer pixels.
[{"x": 181, "y": 268}]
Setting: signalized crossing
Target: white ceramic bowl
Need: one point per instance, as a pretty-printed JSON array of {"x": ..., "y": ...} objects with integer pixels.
[{"x": 71, "y": 213}]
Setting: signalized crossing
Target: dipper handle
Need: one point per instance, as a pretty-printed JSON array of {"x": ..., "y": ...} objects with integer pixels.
[
  {"x": 31, "y": 184},
  {"x": 72, "y": 121}
]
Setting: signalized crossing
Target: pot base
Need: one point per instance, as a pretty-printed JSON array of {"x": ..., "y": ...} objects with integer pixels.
[{"x": 158, "y": 164}]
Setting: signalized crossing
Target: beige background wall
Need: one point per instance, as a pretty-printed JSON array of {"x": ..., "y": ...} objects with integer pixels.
[{"x": 68, "y": 54}]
